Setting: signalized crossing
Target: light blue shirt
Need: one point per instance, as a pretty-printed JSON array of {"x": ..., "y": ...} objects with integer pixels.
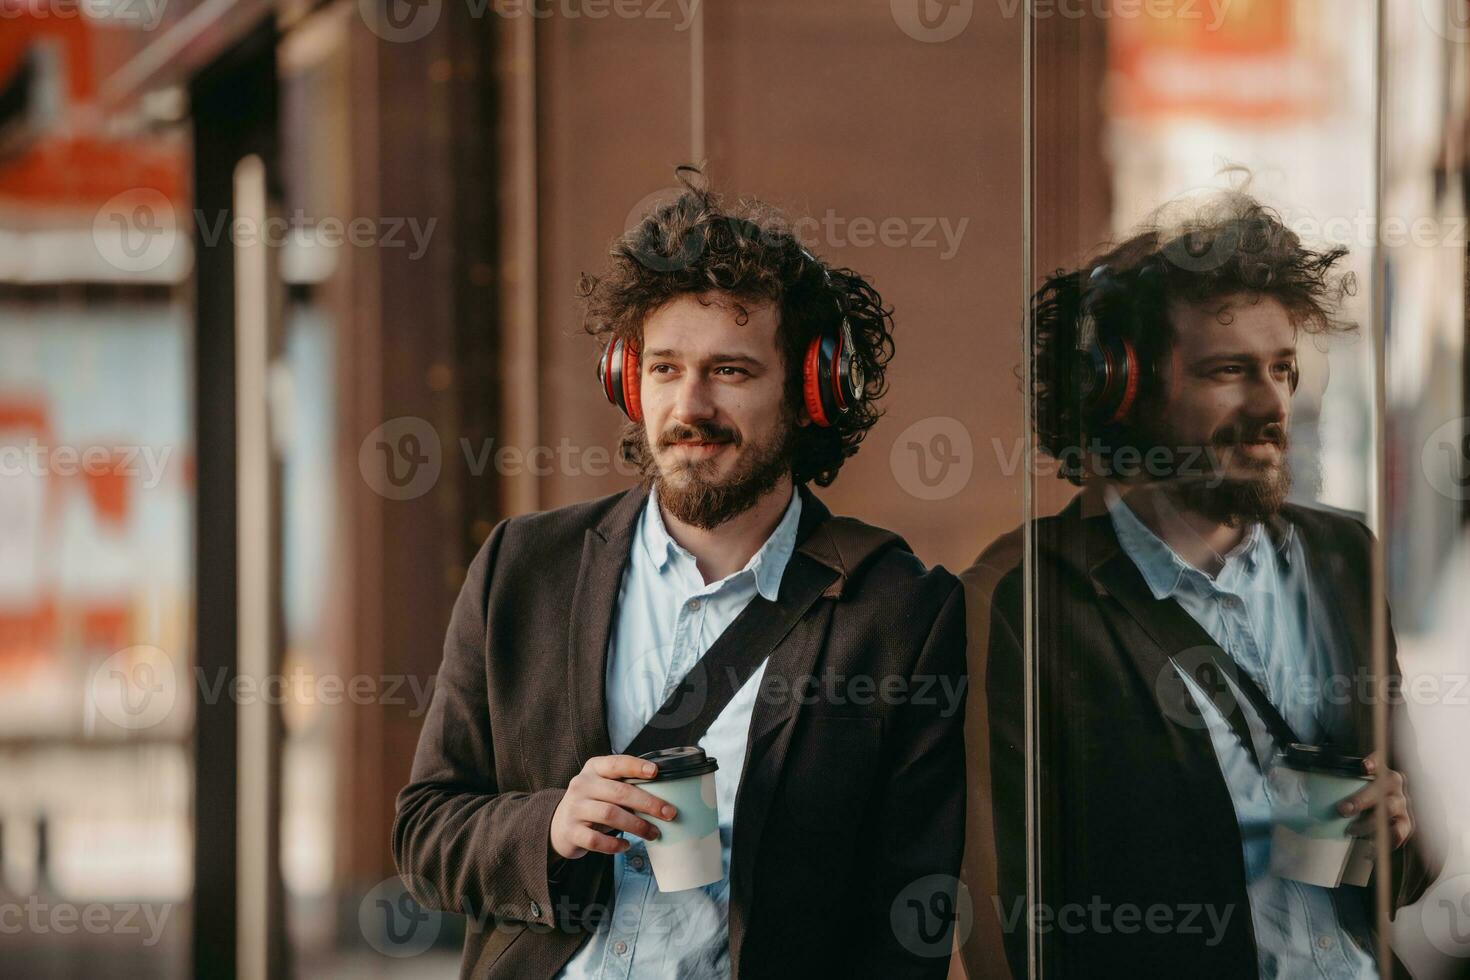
[
  {"x": 1260, "y": 609},
  {"x": 667, "y": 618}
]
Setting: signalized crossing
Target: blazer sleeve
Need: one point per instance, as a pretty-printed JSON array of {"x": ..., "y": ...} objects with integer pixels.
[
  {"x": 461, "y": 843},
  {"x": 920, "y": 821}
]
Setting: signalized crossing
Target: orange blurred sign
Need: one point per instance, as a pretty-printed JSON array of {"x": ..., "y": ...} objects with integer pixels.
[
  {"x": 64, "y": 162},
  {"x": 1233, "y": 59}
]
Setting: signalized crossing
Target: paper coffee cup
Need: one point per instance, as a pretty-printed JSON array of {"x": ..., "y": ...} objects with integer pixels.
[
  {"x": 1310, "y": 841},
  {"x": 687, "y": 853}
]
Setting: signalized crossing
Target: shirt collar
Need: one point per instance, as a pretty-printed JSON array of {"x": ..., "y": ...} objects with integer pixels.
[
  {"x": 1161, "y": 566},
  {"x": 767, "y": 565},
  {"x": 1162, "y": 569}
]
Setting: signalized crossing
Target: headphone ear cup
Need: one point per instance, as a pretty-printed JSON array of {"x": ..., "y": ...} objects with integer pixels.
[
  {"x": 618, "y": 373},
  {"x": 1129, "y": 370},
  {"x": 831, "y": 376},
  {"x": 632, "y": 390},
  {"x": 816, "y": 395},
  {"x": 607, "y": 373},
  {"x": 1108, "y": 382}
]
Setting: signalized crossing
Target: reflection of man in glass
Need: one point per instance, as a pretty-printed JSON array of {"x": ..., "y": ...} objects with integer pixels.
[{"x": 1164, "y": 372}]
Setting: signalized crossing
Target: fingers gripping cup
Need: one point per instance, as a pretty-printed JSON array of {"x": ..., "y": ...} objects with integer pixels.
[
  {"x": 687, "y": 853},
  {"x": 1310, "y": 841}
]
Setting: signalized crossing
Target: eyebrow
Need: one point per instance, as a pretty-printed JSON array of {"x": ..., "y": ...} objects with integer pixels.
[
  {"x": 712, "y": 359},
  {"x": 1244, "y": 356}
]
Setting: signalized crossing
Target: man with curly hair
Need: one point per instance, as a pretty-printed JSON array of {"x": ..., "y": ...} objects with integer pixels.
[
  {"x": 717, "y": 606},
  {"x": 1190, "y": 623}
]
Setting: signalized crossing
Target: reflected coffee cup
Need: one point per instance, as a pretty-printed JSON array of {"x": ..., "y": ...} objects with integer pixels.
[
  {"x": 1310, "y": 841},
  {"x": 687, "y": 852}
]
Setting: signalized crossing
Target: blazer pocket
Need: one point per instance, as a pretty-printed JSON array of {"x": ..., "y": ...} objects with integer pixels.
[
  {"x": 492, "y": 948},
  {"x": 829, "y": 773}
]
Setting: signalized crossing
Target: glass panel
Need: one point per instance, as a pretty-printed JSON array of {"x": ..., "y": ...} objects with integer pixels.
[
  {"x": 1427, "y": 463},
  {"x": 1209, "y": 235}
]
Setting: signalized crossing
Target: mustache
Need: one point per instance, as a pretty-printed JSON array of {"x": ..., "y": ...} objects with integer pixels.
[
  {"x": 703, "y": 431},
  {"x": 1238, "y": 434}
]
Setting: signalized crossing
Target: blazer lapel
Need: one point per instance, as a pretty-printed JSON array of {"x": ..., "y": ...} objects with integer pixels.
[
  {"x": 817, "y": 556},
  {"x": 1174, "y": 632},
  {"x": 594, "y": 600},
  {"x": 1349, "y": 605}
]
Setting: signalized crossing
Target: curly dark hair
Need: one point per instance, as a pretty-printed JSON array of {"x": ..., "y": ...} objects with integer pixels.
[
  {"x": 1199, "y": 253},
  {"x": 694, "y": 245}
]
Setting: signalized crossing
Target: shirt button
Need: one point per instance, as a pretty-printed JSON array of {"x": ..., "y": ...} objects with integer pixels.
[
  {"x": 693, "y": 605},
  {"x": 1325, "y": 942},
  {"x": 535, "y": 910},
  {"x": 620, "y": 947},
  {"x": 636, "y": 862}
]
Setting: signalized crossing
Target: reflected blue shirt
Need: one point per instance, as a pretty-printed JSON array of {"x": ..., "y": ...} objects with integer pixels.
[
  {"x": 1260, "y": 610},
  {"x": 667, "y": 617}
]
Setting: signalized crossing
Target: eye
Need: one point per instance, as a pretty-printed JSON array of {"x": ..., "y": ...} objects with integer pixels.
[
  {"x": 1229, "y": 370},
  {"x": 1283, "y": 367},
  {"x": 726, "y": 370},
  {"x": 660, "y": 368}
]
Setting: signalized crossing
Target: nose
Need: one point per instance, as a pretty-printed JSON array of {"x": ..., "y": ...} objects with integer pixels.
[
  {"x": 692, "y": 401},
  {"x": 1270, "y": 399}
]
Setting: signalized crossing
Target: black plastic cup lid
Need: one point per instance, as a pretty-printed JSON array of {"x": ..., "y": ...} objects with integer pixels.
[
  {"x": 676, "y": 763},
  {"x": 1324, "y": 759}
]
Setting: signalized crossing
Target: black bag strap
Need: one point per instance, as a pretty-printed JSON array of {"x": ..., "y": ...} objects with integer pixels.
[
  {"x": 1216, "y": 673},
  {"x": 1194, "y": 652},
  {"x": 731, "y": 660}
]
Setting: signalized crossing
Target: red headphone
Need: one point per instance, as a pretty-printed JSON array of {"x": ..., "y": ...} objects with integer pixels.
[{"x": 831, "y": 374}]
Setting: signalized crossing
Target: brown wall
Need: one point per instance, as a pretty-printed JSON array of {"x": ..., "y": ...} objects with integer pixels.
[{"x": 814, "y": 107}]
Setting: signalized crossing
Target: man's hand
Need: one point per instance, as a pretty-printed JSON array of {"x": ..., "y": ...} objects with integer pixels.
[
  {"x": 1388, "y": 789},
  {"x": 596, "y": 801}
]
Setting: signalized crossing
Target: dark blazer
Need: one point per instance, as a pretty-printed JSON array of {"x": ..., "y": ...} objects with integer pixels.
[
  {"x": 843, "y": 802},
  {"x": 1131, "y": 805}
]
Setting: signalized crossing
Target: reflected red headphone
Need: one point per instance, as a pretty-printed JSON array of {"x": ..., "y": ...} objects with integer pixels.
[
  {"x": 831, "y": 373},
  {"x": 1108, "y": 368}
]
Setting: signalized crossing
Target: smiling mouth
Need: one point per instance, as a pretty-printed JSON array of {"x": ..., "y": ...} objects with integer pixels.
[
  {"x": 1266, "y": 449},
  {"x": 700, "y": 446}
]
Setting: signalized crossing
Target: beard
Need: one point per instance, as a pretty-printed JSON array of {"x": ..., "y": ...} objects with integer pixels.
[
  {"x": 1233, "y": 498},
  {"x": 1239, "y": 500},
  {"x": 690, "y": 490}
]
